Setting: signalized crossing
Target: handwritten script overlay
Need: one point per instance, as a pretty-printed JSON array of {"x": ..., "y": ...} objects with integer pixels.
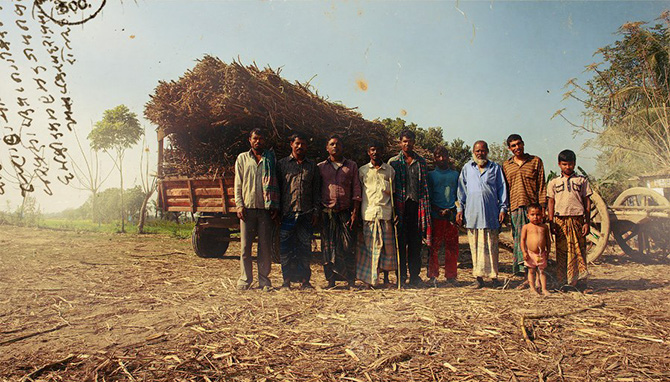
[{"x": 36, "y": 110}]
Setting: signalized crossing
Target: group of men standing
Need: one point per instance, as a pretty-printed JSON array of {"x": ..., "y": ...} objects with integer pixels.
[{"x": 401, "y": 204}]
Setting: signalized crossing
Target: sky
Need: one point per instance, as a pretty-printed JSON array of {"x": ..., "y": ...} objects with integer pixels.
[{"x": 477, "y": 69}]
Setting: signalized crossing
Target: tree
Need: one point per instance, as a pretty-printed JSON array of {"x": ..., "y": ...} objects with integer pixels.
[
  {"x": 88, "y": 175},
  {"x": 498, "y": 152},
  {"x": 627, "y": 101},
  {"x": 428, "y": 139},
  {"x": 148, "y": 184},
  {"x": 118, "y": 130},
  {"x": 109, "y": 204},
  {"x": 459, "y": 152}
]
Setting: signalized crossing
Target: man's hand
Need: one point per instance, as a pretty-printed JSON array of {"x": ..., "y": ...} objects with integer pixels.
[
  {"x": 354, "y": 216},
  {"x": 585, "y": 229},
  {"x": 552, "y": 227},
  {"x": 501, "y": 217},
  {"x": 241, "y": 213},
  {"x": 459, "y": 218}
]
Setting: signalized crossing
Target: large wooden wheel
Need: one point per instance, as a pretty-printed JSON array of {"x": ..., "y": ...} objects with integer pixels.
[
  {"x": 636, "y": 232},
  {"x": 596, "y": 241}
]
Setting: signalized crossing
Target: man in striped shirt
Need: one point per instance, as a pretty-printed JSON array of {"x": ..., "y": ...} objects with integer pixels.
[{"x": 524, "y": 174}]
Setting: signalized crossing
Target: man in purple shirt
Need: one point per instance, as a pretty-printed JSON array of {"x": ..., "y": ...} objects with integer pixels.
[{"x": 341, "y": 200}]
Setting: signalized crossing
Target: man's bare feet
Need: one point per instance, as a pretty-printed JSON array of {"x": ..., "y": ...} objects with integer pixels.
[
  {"x": 535, "y": 291},
  {"x": 545, "y": 293}
]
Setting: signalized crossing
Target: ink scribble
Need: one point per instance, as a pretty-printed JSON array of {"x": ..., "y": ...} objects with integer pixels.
[
  {"x": 36, "y": 111},
  {"x": 70, "y": 12}
]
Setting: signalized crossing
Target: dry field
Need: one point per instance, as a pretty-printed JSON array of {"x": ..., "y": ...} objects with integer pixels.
[{"x": 98, "y": 307}]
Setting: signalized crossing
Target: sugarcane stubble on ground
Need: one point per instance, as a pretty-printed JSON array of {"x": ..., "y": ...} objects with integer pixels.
[{"x": 89, "y": 306}]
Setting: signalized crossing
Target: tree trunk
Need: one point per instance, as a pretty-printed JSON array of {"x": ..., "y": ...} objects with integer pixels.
[
  {"x": 143, "y": 210},
  {"x": 95, "y": 216},
  {"x": 123, "y": 209}
]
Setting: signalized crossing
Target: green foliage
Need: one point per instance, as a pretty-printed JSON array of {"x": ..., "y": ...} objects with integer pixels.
[
  {"x": 428, "y": 140},
  {"x": 498, "y": 152},
  {"x": 118, "y": 130},
  {"x": 27, "y": 214},
  {"x": 627, "y": 101},
  {"x": 108, "y": 204}
]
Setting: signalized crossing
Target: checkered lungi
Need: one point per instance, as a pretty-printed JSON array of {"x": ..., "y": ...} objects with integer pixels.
[
  {"x": 444, "y": 235},
  {"x": 337, "y": 245},
  {"x": 570, "y": 249},
  {"x": 377, "y": 251}
]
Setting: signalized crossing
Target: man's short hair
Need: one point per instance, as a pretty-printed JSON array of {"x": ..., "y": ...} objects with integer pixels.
[
  {"x": 441, "y": 150},
  {"x": 295, "y": 136},
  {"x": 334, "y": 136},
  {"x": 567, "y": 156},
  {"x": 512, "y": 138},
  {"x": 408, "y": 133},
  {"x": 256, "y": 131},
  {"x": 536, "y": 206},
  {"x": 480, "y": 141},
  {"x": 376, "y": 144}
]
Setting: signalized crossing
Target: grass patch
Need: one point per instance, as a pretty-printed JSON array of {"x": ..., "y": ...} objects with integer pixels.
[{"x": 180, "y": 231}]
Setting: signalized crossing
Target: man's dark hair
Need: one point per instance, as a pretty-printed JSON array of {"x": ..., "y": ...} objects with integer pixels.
[
  {"x": 567, "y": 156},
  {"x": 512, "y": 138},
  {"x": 441, "y": 150},
  {"x": 408, "y": 133},
  {"x": 256, "y": 131},
  {"x": 536, "y": 206},
  {"x": 334, "y": 136},
  {"x": 295, "y": 136},
  {"x": 376, "y": 144}
]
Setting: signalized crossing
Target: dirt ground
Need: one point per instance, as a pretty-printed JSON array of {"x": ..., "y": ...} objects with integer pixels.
[{"x": 105, "y": 307}]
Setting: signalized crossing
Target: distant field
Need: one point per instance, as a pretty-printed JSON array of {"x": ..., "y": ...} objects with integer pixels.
[{"x": 181, "y": 231}]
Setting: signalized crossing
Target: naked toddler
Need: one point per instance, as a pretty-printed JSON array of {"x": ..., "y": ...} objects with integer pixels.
[{"x": 536, "y": 245}]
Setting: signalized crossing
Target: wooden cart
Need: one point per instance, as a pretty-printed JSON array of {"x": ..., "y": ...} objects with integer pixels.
[
  {"x": 212, "y": 200},
  {"x": 639, "y": 220}
]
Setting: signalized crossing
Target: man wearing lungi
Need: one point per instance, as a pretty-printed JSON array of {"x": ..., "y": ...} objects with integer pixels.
[
  {"x": 412, "y": 205},
  {"x": 257, "y": 202},
  {"x": 482, "y": 197},
  {"x": 569, "y": 208},
  {"x": 341, "y": 201},
  {"x": 524, "y": 174},
  {"x": 300, "y": 184},
  {"x": 377, "y": 252}
]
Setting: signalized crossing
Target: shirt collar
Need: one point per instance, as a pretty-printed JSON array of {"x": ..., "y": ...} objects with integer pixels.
[
  {"x": 344, "y": 160},
  {"x": 526, "y": 158},
  {"x": 383, "y": 165},
  {"x": 570, "y": 176},
  {"x": 292, "y": 158},
  {"x": 488, "y": 163}
]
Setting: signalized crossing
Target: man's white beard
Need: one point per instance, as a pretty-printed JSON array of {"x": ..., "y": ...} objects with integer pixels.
[{"x": 480, "y": 162}]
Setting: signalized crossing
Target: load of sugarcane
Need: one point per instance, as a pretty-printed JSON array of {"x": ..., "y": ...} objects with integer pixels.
[{"x": 208, "y": 113}]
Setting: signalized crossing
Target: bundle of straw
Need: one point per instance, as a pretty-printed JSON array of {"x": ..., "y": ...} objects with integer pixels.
[{"x": 209, "y": 111}]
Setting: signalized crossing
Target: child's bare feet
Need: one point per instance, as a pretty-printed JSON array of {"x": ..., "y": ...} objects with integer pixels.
[
  {"x": 534, "y": 290},
  {"x": 545, "y": 293}
]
